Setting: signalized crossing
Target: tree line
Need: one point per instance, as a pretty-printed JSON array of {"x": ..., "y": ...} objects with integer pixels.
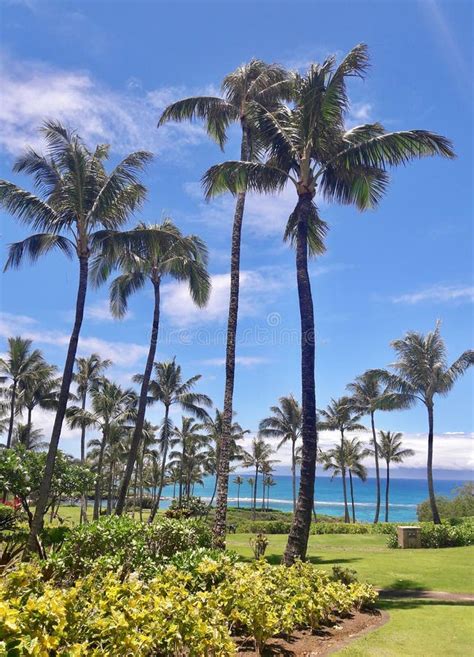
[{"x": 293, "y": 133}]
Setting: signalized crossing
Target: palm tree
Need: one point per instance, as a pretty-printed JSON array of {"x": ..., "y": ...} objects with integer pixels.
[
  {"x": 390, "y": 449},
  {"x": 147, "y": 450},
  {"x": 355, "y": 452},
  {"x": 76, "y": 197},
  {"x": 215, "y": 430},
  {"x": 258, "y": 457},
  {"x": 31, "y": 439},
  {"x": 340, "y": 416},
  {"x": 111, "y": 406},
  {"x": 285, "y": 423},
  {"x": 269, "y": 482},
  {"x": 191, "y": 440},
  {"x": 39, "y": 388},
  {"x": 238, "y": 481},
  {"x": 19, "y": 363},
  {"x": 169, "y": 388},
  {"x": 309, "y": 147},
  {"x": 255, "y": 81},
  {"x": 149, "y": 253},
  {"x": 368, "y": 395},
  {"x": 421, "y": 372}
]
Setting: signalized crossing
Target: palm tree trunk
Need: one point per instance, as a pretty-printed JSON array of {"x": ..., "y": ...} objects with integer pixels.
[
  {"x": 83, "y": 514},
  {"x": 352, "y": 496},
  {"x": 29, "y": 423},
  {"x": 12, "y": 415},
  {"x": 254, "y": 507},
  {"x": 377, "y": 468},
  {"x": 156, "y": 506},
  {"x": 137, "y": 433},
  {"x": 98, "y": 482},
  {"x": 109, "y": 490},
  {"x": 387, "y": 489},
  {"x": 238, "y": 496},
  {"x": 434, "y": 506},
  {"x": 45, "y": 487},
  {"x": 344, "y": 488},
  {"x": 220, "y": 519},
  {"x": 293, "y": 472},
  {"x": 180, "y": 488},
  {"x": 213, "y": 493},
  {"x": 140, "y": 489},
  {"x": 298, "y": 538}
]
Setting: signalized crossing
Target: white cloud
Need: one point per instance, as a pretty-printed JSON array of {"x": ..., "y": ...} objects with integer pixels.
[
  {"x": 100, "y": 312},
  {"x": 245, "y": 361},
  {"x": 257, "y": 290},
  {"x": 438, "y": 294},
  {"x": 33, "y": 92},
  {"x": 121, "y": 353}
]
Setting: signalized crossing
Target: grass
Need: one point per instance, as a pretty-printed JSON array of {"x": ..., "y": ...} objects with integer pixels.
[
  {"x": 419, "y": 628},
  {"x": 448, "y": 569}
]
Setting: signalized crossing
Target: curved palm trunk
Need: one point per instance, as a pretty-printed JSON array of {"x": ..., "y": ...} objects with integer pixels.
[
  {"x": 140, "y": 489},
  {"x": 137, "y": 433},
  {"x": 352, "y": 496},
  {"x": 12, "y": 415},
  {"x": 434, "y": 506},
  {"x": 377, "y": 468},
  {"x": 219, "y": 528},
  {"x": 298, "y": 538},
  {"x": 98, "y": 482},
  {"x": 213, "y": 492},
  {"x": 387, "y": 489},
  {"x": 156, "y": 506},
  {"x": 45, "y": 487},
  {"x": 293, "y": 472},
  {"x": 344, "y": 485}
]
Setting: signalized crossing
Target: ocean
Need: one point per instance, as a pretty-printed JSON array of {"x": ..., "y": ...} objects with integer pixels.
[{"x": 405, "y": 494}]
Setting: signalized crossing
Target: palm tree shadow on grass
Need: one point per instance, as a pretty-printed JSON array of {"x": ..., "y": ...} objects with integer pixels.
[
  {"x": 414, "y": 603},
  {"x": 274, "y": 559}
]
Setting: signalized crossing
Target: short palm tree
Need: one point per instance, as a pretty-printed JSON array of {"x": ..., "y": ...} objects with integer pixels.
[
  {"x": 191, "y": 441},
  {"x": 310, "y": 148},
  {"x": 390, "y": 449},
  {"x": 340, "y": 416},
  {"x": 355, "y": 454},
  {"x": 257, "y": 457},
  {"x": 421, "y": 373},
  {"x": 148, "y": 254},
  {"x": 76, "y": 197},
  {"x": 255, "y": 81},
  {"x": 238, "y": 481},
  {"x": 111, "y": 406},
  {"x": 30, "y": 438},
  {"x": 368, "y": 395},
  {"x": 17, "y": 366},
  {"x": 39, "y": 388},
  {"x": 285, "y": 423},
  {"x": 169, "y": 388}
]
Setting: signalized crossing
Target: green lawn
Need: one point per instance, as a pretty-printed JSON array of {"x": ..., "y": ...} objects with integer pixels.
[
  {"x": 448, "y": 569},
  {"x": 419, "y": 628}
]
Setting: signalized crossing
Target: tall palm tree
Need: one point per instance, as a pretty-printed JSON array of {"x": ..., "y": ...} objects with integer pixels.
[
  {"x": 238, "y": 481},
  {"x": 148, "y": 254},
  {"x": 285, "y": 423},
  {"x": 355, "y": 453},
  {"x": 257, "y": 457},
  {"x": 111, "y": 406},
  {"x": 340, "y": 416},
  {"x": 16, "y": 367},
  {"x": 421, "y": 372},
  {"x": 255, "y": 81},
  {"x": 368, "y": 395},
  {"x": 39, "y": 388},
  {"x": 169, "y": 388},
  {"x": 390, "y": 449},
  {"x": 191, "y": 440},
  {"x": 76, "y": 197},
  {"x": 309, "y": 147},
  {"x": 215, "y": 430},
  {"x": 30, "y": 438}
]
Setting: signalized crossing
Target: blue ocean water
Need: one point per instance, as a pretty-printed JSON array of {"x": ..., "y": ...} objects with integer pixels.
[{"x": 405, "y": 494}]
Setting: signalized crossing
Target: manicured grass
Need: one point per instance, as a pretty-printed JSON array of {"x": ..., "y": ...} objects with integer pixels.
[
  {"x": 419, "y": 628},
  {"x": 448, "y": 569}
]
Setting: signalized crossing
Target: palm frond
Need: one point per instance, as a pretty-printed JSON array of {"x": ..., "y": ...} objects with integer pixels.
[
  {"x": 359, "y": 185},
  {"x": 35, "y": 246},
  {"x": 317, "y": 231},
  {"x": 27, "y": 207},
  {"x": 236, "y": 177},
  {"x": 121, "y": 288}
]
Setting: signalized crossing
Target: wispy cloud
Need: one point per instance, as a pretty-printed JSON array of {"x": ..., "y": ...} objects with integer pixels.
[
  {"x": 245, "y": 361},
  {"x": 100, "y": 312},
  {"x": 438, "y": 294},
  {"x": 121, "y": 353},
  {"x": 33, "y": 92}
]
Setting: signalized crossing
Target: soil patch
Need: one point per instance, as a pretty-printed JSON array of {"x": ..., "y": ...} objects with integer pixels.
[{"x": 327, "y": 640}]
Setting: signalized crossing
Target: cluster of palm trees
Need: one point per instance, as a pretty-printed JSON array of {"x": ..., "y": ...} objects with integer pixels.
[{"x": 293, "y": 133}]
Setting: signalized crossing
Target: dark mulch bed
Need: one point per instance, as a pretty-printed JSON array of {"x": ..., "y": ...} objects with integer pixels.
[{"x": 324, "y": 642}]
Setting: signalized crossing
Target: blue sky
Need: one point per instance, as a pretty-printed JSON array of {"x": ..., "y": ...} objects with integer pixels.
[{"x": 108, "y": 69}]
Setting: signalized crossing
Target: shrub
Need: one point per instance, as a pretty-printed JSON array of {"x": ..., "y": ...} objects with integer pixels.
[
  {"x": 442, "y": 536},
  {"x": 259, "y": 544},
  {"x": 340, "y": 528},
  {"x": 188, "y": 508},
  {"x": 126, "y": 545},
  {"x": 461, "y": 505},
  {"x": 264, "y": 527}
]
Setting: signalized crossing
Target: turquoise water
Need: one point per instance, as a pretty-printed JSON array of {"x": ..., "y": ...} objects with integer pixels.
[{"x": 405, "y": 494}]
